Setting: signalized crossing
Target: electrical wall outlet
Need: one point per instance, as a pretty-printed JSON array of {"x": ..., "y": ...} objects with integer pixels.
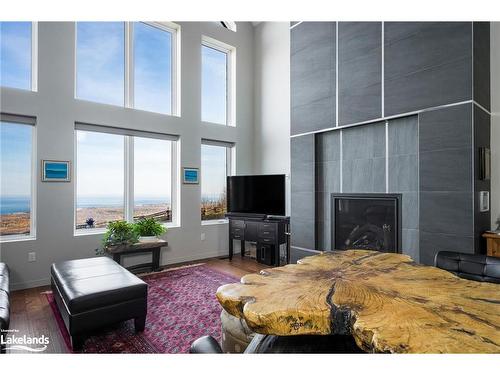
[
  {"x": 203, "y": 236},
  {"x": 32, "y": 257}
]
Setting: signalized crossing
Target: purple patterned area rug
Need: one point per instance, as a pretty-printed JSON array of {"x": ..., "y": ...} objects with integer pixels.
[{"x": 181, "y": 307}]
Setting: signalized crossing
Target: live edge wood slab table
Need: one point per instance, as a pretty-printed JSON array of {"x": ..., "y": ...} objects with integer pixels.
[{"x": 386, "y": 301}]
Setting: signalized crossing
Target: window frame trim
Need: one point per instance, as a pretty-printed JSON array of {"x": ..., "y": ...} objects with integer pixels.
[
  {"x": 128, "y": 171},
  {"x": 34, "y": 179},
  {"x": 230, "y": 52}
]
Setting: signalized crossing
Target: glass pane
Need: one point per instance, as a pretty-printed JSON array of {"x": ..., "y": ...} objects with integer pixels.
[
  {"x": 213, "y": 182},
  {"x": 15, "y": 178},
  {"x": 100, "y": 179},
  {"x": 100, "y": 62},
  {"x": 152, "y": 178},
  {"x": 152, "y": 69},
  {"x": 15, "y": 54},
  {"x": 214, "y": 86}
]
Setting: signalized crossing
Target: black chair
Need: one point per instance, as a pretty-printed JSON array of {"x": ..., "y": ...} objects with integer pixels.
[
  {"x": 318, "y": 344},
  {"x": 469, "y": 266}
]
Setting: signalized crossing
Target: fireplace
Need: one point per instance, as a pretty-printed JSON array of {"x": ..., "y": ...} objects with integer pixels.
[{"x": 366, "y": 221}]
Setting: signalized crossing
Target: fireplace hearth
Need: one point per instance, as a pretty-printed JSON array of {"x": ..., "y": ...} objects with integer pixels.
[{"x": 366, "y": 221}]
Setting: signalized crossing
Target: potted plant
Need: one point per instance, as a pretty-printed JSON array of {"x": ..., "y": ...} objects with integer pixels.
[
  {"x": 149, "y": 229},
  {"x": 119, "y": 233},
  {"x": 90, "y": 222}
]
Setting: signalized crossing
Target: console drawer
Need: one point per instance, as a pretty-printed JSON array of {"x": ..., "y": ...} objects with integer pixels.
[
  {"x": 267, "y": 227},
  {"x": 237, "y": 230},
  {"x": 267, "y": 234},
  {"x": 238, "y": 224}
]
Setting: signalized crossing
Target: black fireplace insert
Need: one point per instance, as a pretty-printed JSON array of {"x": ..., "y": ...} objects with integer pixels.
[{"x": 366, "y": 221}]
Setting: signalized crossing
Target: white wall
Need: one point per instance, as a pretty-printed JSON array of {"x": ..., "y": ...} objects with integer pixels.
[
  {"x": 495, "y": 122},
  {"x": 272, "y": 99},
  {"x": 56, "y": 111}
]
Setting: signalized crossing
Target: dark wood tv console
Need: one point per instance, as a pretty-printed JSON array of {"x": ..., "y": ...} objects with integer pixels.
[{"x": 265, "y": 232}]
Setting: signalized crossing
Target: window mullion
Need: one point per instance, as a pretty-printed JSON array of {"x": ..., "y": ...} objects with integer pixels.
[
  {"x": 129, "y": 178},
  {"x": 129, "y": 65}
]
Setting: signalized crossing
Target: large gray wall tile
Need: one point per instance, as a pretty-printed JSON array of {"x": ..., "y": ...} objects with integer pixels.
[
  {"x": 364, "y": 142},
  {"x": 446, "y": 212},
  {"x": 410, "y": 243},
  {"x": 302, "y": 149},
  {"x": 431, "y": 243},
  {"x": 359, "y": 71},
  {"x": 403, "y": 136},
  {"x": 427, "y": 64},
  {"x": 328, "y": 146},
  {"x": 410, "y": 210},
  {"x": 446, "y": 128},
  {"x": 312, "y": 72},
  {"x": 403, "y": 173},
  {"x": 302, "y": 209},
  {"x": 446, "y": 170},
  {"x": 363, "y": 175},
  {"x": 482, "y": 86}
]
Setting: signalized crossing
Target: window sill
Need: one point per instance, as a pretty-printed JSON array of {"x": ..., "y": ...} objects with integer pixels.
[
  {"x": 215, "y": 222},
  {"x": 218, "y": 124},
  {"x": 90, "y": 232},
  {"x": 16, "y": 238}
]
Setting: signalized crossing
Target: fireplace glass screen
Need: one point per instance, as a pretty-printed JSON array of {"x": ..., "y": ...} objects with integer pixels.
[{"x": 364, "y": 222}]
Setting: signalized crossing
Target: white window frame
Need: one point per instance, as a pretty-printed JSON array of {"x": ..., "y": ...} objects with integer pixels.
[
  {"x": 128, "y": 170},
  {"x": 175, "y": 31},
  {"x": 230, "y": 170},
  {"x": 34, "y": 61},
  {"x": 28, "y": 121},
  {"x": 230, "y": 51}
]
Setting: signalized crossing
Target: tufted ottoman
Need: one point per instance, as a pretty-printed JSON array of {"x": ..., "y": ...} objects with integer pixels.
[{"x": 96, "y": 292}]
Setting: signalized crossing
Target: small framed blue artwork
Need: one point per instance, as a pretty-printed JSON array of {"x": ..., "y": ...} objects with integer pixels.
[
  {"x": 191, "y": 176},
  {"x": 56, "y": 171}
]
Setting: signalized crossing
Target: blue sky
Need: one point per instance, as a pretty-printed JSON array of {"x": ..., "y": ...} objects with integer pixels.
[
  {"x": 100, "y": 78},
  {"x": 15, "y": 54},
  {"x": 15, "y": 155}
]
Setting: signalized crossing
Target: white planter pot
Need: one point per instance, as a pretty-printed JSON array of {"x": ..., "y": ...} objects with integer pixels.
[{"x": 148, "y": 238}]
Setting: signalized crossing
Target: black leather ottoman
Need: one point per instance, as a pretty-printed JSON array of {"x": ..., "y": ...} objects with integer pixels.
[{"x": 96, "y": 292}]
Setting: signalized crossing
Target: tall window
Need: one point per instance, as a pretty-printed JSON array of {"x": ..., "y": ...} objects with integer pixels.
[
  {"x": 16, "y": 55},
  {"x": 100, "y": 179},
  {"x": 16, "y": 178},
  {"x": 131, "y": 64},
  {"x": 123, "y": 176},
  {"x": 152, "y": 68},
  {"x": 100, "y": 62},
  {"x": 216, "y": 163},
  {"x": 217, "y": 91},
  {"x": 153, "y": 178}
]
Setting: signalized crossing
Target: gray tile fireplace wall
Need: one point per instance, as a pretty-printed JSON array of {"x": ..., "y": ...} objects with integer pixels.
[{"x": 410, "y": 111}]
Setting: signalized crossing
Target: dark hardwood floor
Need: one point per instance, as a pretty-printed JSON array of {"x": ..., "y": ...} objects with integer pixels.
[{"x": 32, "y": 315}]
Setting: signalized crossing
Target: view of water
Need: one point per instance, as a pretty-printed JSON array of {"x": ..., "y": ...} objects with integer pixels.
[{"x": 10, "y": 205}]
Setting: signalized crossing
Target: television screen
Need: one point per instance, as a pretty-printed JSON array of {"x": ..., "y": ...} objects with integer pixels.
[{"x": 261, "y": 194}]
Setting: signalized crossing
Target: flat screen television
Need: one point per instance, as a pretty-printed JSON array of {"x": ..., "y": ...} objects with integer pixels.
[{"x": 259, "y": 194}]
